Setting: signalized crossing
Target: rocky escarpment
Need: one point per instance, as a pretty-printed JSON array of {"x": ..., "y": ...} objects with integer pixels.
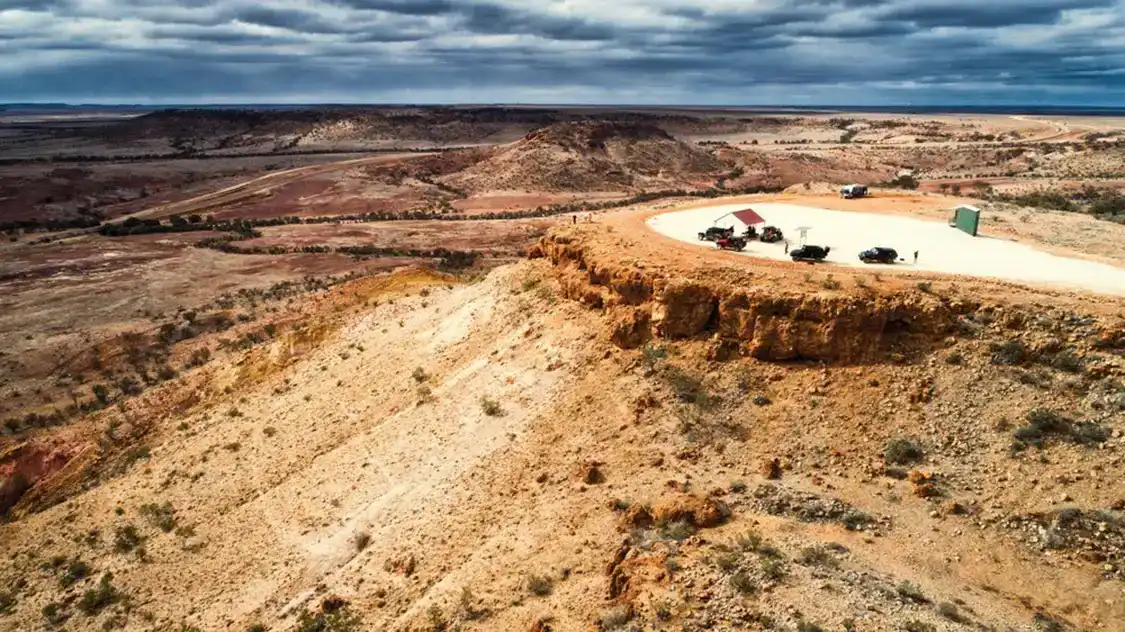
[{"x": 764, "y": 321}]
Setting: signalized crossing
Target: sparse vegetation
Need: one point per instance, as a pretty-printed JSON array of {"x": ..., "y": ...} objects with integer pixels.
[
  {"x": 338, "y": 617},
  {"x": 361, "y": 540},
  {"x": 491, "y": 407},
  {"x": 742, "y": 583},
  {"x": 76, "y": 571},
  {"x": 911, "y": 592},
  {"x": 687, "y": 388},
  {"x": 615, "y": 618},
  {"x": 902, "y": 451},
  {"x": 1010, "y": 352},
  {"x": 54, "y": 614},
  {"x": 126, "y": 539},
  {"x": 97, "y": 599},
  {"x": 1043, "y": 425},
  {"x": 539, "y": 585},
  {"x": 160, "y": 516},
  {"x": 914, "y": 625},
  {"x": 677, "y": 530}
]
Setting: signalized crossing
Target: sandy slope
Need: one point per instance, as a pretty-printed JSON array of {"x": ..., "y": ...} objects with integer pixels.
[{"x": 941, "y": 249}]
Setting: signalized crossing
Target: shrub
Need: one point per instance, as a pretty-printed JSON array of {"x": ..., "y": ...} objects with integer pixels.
[
  {"x": 911, "y": 592},
  {"x": 539, "y": 585},
  {"x": 727, "y": 561},
  {"x": 54, "y": 614},
  {"x": 97, "y": 599},
  {"x": 677, "y": 530},
  {"x": 76, "y": 571},
  {"x": 7, "y": 601},
  {"x": 1044, "y": 424},
  {"x": 774, "y": 568},
  {"x": 651, "y": 354},
  {"x": 491, "y": 407},
  {"x": 749, "y": 541},
  {"x": 902, "y": 451},
  {"x": 1067, "y": 361},
  {"x": 1010, "y": 352},
  {"x": 437, "y": 618},
  {"x": 955, "y": 358},
  {"x": 830, "y": 283},
  {"x": 805, "y": 626},
  {"x": 817, "y": 556},
  {"x": 686, "y": 387},
  {"x": 915, "y": 625},
  {"x": 950, "y": 611},
  {"x": 339, "y": 618},
  {"x": 855, "y": 520},
  {"x": 737, "y": 487},
  {"x": 126, "y": 539},
  {"x": 616, "y": 617},
  {"x": 742, "y": 582},
  {"x": 419, "y": 375},
  {"x": 362, "y": 539},
  {"x": 925, "y": 286},
  {"x": 160, "y": 516}
]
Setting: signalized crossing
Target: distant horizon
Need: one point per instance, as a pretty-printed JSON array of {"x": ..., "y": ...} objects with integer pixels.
[{"x": 952, "y": 108}]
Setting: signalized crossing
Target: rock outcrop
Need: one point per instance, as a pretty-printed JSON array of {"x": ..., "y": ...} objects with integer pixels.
[{"x": 763, "y": 321}]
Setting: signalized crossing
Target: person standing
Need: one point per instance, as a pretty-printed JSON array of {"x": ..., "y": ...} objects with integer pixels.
[
  {"x": 915, "y": 257},
  {"x": 786, "y": 246}
]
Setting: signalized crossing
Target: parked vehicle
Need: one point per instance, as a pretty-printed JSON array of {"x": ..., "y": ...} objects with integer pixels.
[
  {"x": 809, "y": 253},
  {"x": 716, "y": 232},
  {"x": 853, "y": 191},
  {"x": 731, "y": 243},
  {"x": 771, "y": 234},
  {"x": 879, "y": 254}
]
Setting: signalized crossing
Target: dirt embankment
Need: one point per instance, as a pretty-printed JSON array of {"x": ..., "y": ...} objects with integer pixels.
[{"x": 745, "y": 317}]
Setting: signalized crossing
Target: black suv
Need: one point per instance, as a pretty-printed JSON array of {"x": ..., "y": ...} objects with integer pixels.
[
  {"x": 809, "y": 253},
  {"x": 879, "y": 255}
]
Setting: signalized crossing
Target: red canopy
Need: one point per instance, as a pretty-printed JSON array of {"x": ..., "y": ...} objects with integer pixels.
[{"x": 749, "y": 217}]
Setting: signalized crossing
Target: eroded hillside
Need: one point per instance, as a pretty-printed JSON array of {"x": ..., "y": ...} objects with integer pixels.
[{"x": 595, "y": 439}]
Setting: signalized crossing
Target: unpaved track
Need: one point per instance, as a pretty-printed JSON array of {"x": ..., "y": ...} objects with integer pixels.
[{"x": 232, "y": 194}]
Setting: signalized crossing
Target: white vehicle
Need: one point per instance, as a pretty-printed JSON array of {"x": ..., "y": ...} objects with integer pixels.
[{"x": 853, "y": 191}]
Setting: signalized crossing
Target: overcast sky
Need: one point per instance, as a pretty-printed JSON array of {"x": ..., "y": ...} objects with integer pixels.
[{"x": 866, "y": 52}]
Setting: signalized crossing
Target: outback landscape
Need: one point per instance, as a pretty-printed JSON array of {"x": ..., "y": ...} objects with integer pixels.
[{"x": 439, "y": 368}]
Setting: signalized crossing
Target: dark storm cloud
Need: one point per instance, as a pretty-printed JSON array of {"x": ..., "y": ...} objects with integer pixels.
[{"x": 607, "y": 50}]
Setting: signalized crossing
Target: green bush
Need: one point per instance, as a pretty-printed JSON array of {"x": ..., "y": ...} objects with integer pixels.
[
  {"x": 902, "y": 451},
  {"x": 97, "y": 599},
  {"x": 491, "y": 407},
  {"x": 160, "y": 516},
  {"x": 911, "y": 592}
]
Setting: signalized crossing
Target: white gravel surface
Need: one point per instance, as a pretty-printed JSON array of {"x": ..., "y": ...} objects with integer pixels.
[{"x": 940, "y": 247}]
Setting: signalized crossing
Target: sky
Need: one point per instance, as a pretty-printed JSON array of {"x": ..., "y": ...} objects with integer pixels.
[{"x": 721, "y": 52}]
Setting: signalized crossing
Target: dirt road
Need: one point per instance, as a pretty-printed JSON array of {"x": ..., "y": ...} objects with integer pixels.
[{"x": 232, "y": 194}]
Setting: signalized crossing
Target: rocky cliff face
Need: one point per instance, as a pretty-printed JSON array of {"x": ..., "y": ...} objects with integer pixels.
[{"x": 763, "y": 321}]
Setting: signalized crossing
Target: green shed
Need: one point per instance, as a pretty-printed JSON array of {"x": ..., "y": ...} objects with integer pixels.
[{"x": 966, "y": 219}]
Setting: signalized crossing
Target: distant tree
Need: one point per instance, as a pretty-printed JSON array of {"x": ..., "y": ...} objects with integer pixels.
[
  {"x": 943, "y": 186},
  {"x": 956, "y": 189}
]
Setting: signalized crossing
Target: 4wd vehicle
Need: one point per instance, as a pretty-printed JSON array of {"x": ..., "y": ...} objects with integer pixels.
[
  {"x": 715, "y": 232},
  {"x": 771, "y": 234},
  {"x": 879, "y": 255},
  {"x": 731, "y": 243},
  {"x": 809, "y": 253}
]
